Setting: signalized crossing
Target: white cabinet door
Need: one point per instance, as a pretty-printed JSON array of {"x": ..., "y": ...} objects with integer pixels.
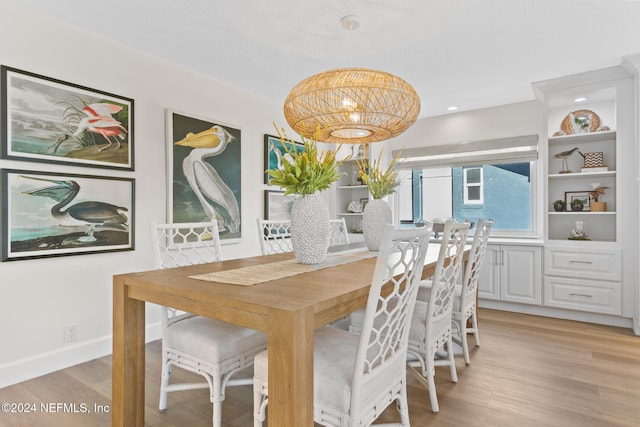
[
  {"x": 489, "y": 280},
  {"x": 521, "y": 274},
  {"x": 512, "y": 273}
]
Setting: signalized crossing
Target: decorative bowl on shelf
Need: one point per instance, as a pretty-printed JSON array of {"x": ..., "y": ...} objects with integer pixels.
[
  {"x": 580, "y": 121},
  {"x": 559, "y": 205}
]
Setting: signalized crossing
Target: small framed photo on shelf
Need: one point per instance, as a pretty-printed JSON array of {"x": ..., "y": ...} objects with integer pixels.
[
  {"x": 577, "y": 201},
  {"x": 363, "y": 202}
]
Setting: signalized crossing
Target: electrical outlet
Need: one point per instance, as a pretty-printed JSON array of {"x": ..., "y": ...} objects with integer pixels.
[{"x": 71, "y": 332}]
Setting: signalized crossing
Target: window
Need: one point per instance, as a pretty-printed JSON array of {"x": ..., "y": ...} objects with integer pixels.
[
  {"x": 472, "y": 190},
  {"x": 502, "y": 192},
  {"x": 490, "y": 179}
]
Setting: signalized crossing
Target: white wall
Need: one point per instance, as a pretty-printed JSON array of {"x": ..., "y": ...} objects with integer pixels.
[
  {"x": 524, "y": 118},
  {"x": 632, "y": 63},
  {"x": 39, "y": 297}
]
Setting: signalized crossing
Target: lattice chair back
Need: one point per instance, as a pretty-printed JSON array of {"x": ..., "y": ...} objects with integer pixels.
[
  {"x": 464, "y": 313},
  {"x": 338, "y": 232},
  {"x": 387, "y": 316},
  {"x": 431, "y": 329},
  {"x": 182, "y": 244},
  {"x": 474, "y": 263},
  {"x": 275, "y": 236},
  {"x": 447, "y": 273}
]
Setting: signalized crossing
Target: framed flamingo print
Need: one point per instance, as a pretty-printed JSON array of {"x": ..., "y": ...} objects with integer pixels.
[
  {"x": 204, "y": 173},
  {"x": 47, "y": 214},
  {"x": 49, "y": 120}
]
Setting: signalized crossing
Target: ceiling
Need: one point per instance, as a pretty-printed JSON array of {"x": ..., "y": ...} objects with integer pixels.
[{"x": 469, "y": 53}]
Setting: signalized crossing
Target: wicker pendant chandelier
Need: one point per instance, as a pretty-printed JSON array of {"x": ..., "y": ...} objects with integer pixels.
[{"x": 352, "y": 105}]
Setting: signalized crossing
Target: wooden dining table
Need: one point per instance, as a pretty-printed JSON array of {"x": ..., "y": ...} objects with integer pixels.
[{"x": 288, "y": 310}]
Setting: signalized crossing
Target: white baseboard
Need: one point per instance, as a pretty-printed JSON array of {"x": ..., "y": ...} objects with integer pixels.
[{"x": 70, "y": 355}]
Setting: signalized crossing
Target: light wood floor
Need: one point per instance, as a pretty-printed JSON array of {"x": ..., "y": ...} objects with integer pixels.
[{"x": 529, "y": 371}]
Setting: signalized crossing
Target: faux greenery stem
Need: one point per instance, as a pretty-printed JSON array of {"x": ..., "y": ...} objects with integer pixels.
[
  {"x": 305, "y": 172},
  {"x": 380, "y": 183}
]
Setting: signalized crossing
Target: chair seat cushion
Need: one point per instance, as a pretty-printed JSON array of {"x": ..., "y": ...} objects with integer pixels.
[
  {"x": 424, "y": 293},
  {"x": 334, "y": 353},
  {"x": 212, "y": 340},
  {"x": 440, "y": 326}
]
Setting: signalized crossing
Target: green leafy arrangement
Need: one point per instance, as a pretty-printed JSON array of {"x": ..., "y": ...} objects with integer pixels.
[
  {"x": 305, "y": 172},
  {"x": 380, "y": 183}
]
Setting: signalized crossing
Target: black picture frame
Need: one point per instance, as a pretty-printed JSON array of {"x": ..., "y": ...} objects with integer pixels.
[
  {"x": 276, "y": 205},
  {"x": 569, "y": 196},
  {"x": 47, "y": 214},
  {"x": 52, "y": 121}
]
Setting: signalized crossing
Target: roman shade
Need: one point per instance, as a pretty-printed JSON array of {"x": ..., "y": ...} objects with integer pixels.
[{"x": 490, "y": 151}]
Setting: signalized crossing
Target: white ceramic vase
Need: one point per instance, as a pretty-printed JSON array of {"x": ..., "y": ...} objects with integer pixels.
[
  {"x": 310, "y": 229},
  {"x": 376, "y": 215}
]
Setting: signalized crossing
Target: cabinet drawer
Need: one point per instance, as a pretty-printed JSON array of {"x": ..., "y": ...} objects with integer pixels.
[
  {"x": 590, "y": 263},
  {"x": 584, "y": 295}
]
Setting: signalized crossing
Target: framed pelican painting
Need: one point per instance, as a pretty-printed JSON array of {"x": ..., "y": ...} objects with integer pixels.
[
  {"x": 49, "y": 120},
  {"x": 204, "y": 173},
  {"x": 51, "y": 214}
]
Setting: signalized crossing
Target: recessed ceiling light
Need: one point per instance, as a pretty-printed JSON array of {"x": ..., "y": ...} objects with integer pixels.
[
  {"x": 580, "y": 99},
  {"x": 452, "y": 108}
]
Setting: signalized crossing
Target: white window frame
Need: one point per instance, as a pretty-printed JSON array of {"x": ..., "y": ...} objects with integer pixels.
[{"x": 466, "y": 186}]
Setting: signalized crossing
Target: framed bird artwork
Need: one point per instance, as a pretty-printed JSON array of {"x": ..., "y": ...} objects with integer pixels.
[
  {"x": 49, "y": 214},
  {"x": 204, "y": 173},
  {"x": 50, "y": 120},
  {"x": 274, "y": 150}
]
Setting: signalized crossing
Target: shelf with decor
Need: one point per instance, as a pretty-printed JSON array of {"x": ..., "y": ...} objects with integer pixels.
[
  {"x": 603, "y": 174},
  {"x": 582, "y": 165},
  {"x": 351, "y": 195},
  {"x": 351, "y": 187},
  {"x": 609, "y": 135}
]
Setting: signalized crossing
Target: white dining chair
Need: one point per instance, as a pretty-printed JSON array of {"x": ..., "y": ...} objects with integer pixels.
[
  {"x": 338, "y": 232},
  {"x": 464, "y": 296},
  {"x": 356, "y": 376},
  {"x": 211, "y": 348},
  {"x": 275, "y": 236},
  {"x": 431, "y": 329}
]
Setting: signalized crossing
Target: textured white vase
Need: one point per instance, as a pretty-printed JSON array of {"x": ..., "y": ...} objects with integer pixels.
[
  {"x": 310, "y": 229},
  {"x": 376, "y": 215}
]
